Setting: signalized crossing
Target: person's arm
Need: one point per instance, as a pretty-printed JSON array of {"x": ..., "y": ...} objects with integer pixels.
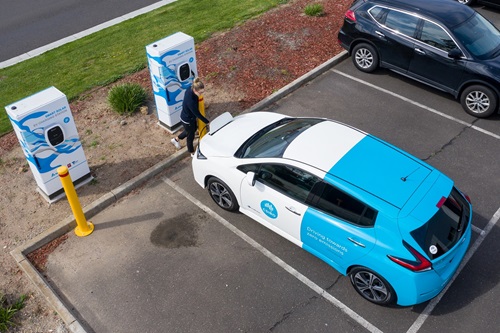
[{"x": 194, "y": 107}]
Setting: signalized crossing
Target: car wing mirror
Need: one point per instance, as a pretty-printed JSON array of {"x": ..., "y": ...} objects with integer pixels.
[
  {"x": 250, "y": 178},
  {"x": 455, "y": 53}
]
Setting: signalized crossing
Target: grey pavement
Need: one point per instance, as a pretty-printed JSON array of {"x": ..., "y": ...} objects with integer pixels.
[
  {"x": 165, "y": 259},
  {"x": 30, "y": 29},
  {"x": 104, "y": 278}
]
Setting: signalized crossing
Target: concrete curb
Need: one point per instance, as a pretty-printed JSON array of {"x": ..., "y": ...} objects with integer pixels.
[{"x": 113, "y": 196}]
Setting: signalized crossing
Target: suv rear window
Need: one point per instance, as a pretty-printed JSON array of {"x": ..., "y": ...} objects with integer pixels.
[{"x": 445, "y": 228}]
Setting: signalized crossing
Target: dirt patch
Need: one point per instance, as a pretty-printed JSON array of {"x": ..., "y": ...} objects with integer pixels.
[{"x": 240, "y": 67}]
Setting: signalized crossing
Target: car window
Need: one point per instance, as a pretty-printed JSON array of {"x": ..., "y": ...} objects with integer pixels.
[
  {"x": 289, "y": 180},
  {"x": 378, "y": 14},
  {"x": 249, "y": 167},
  {"x": 434, "y": 35},
  {"x": 401, "y": 22},
  {"x": 337, "y": 203},
  {"x": 445, "y": 228},
  {"x": 479, "y": 37},
  {"x": 273, "y": 140}
]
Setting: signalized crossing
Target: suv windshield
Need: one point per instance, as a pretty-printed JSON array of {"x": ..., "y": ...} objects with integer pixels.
[
  {"x": 445, "y": 228},
  {"x": 272, "y": 140},
  {"x": 479, "y": 37}
]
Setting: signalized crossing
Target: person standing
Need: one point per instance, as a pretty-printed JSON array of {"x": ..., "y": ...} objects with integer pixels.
[{"x": 190, "y": 112}]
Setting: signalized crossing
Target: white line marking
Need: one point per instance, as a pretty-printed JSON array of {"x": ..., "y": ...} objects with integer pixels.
[
  {"x": 496, "y": 136},
  {"x": 320, "y": 291},
  {"x": 430, "y": 307},
  {"x": 51, "y": 46}
]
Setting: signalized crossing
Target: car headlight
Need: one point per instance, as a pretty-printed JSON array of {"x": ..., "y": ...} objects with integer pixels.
[{"x": 199, "y": 154}]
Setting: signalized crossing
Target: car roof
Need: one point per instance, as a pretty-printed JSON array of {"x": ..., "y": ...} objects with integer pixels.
[
  {"x": 449, "y": 12},
  {"x": 351, "y": 157}
]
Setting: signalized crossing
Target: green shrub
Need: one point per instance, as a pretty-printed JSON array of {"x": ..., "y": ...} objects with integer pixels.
[
  {"x": 127, "y": 98},
  {"x": 314, "y": 9},
  {"x": 7, "y": 311}
]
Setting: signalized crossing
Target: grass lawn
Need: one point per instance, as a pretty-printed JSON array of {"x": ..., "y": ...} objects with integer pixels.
[{"x": 110, "y": 54}]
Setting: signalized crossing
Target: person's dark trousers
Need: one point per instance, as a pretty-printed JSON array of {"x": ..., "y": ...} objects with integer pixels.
[{"x": 189, "y": 132}]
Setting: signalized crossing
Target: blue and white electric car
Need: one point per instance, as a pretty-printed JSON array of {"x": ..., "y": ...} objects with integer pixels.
[{"x": 394, "y": 224}]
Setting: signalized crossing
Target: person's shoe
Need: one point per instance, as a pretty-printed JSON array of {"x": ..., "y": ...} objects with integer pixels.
[{"x": 176, "y": 143}]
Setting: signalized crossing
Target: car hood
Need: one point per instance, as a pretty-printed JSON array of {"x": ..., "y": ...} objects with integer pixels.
[{"x": 230, "y": 133}]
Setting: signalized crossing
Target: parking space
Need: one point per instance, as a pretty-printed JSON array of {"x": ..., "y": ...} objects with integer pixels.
[
  {"x": 232, "y": 274},
  {"x": 432, "y": 126},
  {"x": 218, "y": 271}
]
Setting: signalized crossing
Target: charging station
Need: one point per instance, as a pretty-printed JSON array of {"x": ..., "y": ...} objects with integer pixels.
[
  {"x": 46, "y": 130},
  {"x": 172, "y": 65}
]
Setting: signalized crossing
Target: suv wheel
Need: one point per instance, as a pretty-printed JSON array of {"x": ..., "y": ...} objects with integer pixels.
[
  {"x": 222, "y": 194},
  {"x": 371, "y": 286},
  {"x": 466, "y": 2},
  {"x": 479, "y": 101},
  {"x": 365, "y": 57}
]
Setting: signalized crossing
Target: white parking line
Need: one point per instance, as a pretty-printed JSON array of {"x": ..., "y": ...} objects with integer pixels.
[
  {"x": 479, "y": 129},
  {"x": 51, "y": 46},
  {"x": 320, "y": 291},
  {"x": 432, "y": 304}
]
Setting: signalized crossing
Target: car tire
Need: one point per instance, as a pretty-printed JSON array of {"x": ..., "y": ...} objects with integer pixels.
[
  {"x": 479, "y": 101},
  {"x": 372, "y": 286},
  {"x": 466, "y": 2},
  {"x": 222, "y": 195},
  {"x": 365, "y": 57}
]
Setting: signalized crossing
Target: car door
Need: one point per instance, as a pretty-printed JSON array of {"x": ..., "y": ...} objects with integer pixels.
[
  {"x": 277, "y": 197},
  {"x": 393, "y": 37},
  {"x": 338, "y": 226},
  {"x": 431, "y": 62}
]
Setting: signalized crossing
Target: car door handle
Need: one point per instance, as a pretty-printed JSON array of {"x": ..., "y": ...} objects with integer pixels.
[
  {"x": 378, "y": 33},
  {"x": 419, "y": 51},
  {"x": 356, "y": 242},
  {"x": 293, "y": 210}
]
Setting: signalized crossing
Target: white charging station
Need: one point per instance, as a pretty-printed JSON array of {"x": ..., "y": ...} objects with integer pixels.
[
  {"x": 172, "y": 64},
  {"x": 48, "y": 136}
]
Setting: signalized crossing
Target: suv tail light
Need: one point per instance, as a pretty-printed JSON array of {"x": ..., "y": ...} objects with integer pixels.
[
  {"x": 350, "y": 15},
  {"x": 421, "y": 264}
]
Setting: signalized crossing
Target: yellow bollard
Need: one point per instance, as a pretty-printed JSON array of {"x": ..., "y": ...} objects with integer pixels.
[
  {"x": 83, "y": 228},
  {"x": 202, "y": 127}
]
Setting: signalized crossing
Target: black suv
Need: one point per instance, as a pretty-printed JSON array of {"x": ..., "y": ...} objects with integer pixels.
[{"x": 438, "y": 42}]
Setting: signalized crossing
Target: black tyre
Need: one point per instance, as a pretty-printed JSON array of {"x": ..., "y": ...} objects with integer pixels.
[
  {"x": 365, "y": 57},
  {"x": 372, "y": 286},
  {"x": 222, "y": 194},
  {"x": 466, "y": 2},
  {"x": 479, "y": 101}
]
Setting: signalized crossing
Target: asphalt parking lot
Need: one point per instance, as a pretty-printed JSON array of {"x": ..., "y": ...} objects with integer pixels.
[{"x": 166, "y": 259}]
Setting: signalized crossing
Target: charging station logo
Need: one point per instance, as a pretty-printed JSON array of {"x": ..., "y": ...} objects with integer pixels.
[{"x": 269, "y": 209}]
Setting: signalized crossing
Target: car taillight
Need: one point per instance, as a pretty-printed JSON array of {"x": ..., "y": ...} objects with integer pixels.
[
  {"x": 421, "y": 264},
  {"x": 441, "y": 202},
  {"x": 350, "y": 15}
]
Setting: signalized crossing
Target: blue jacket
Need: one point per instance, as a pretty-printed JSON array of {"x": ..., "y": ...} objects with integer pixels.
[{"x": 190, "y": 110}]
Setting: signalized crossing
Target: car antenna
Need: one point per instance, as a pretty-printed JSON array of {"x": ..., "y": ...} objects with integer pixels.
[{"x": 411, "y": 173}]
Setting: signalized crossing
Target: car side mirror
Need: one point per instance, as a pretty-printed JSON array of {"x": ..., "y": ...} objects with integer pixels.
[
  {"x": 250, "y": 178},
  {"x": 455, "y": 53}
]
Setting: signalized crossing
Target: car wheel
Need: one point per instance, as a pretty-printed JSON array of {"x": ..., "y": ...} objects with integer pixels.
[
  {"x": 371, "y": 286},
  {"x": 222, "y": 194},
  {"x": 466, "y": 2},
  {"x": 479, "y": 101},
  {"x": 365, "y": 57}
]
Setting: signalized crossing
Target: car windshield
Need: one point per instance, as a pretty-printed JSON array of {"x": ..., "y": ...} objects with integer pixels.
[
  {"x": 272, "y": 140},
  {"x": 479, "y": 37},
  {"x": 445, "y": 228}
]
